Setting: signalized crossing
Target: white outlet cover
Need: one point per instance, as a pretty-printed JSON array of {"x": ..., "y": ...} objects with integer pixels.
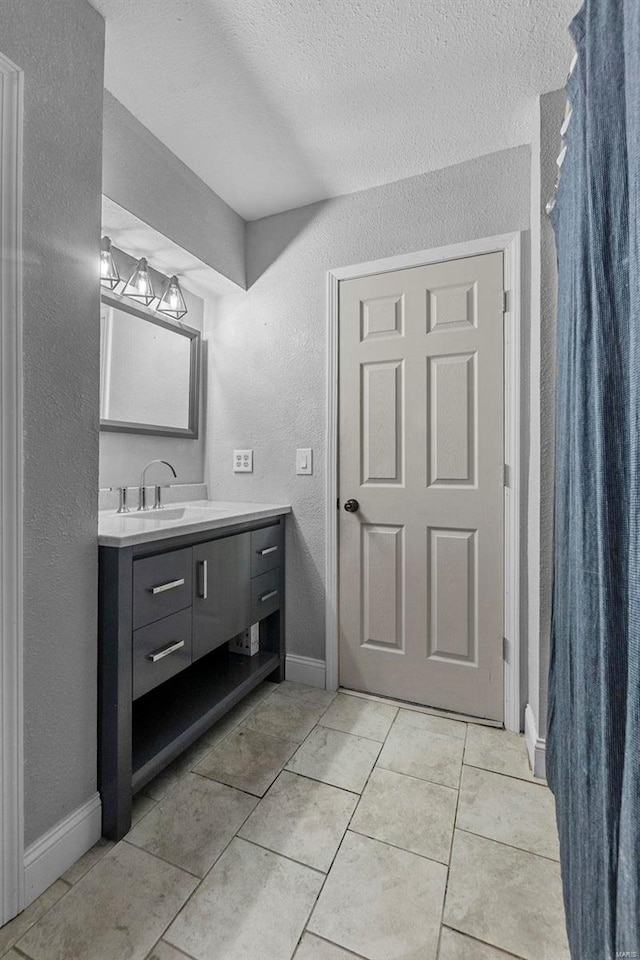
[{"x": 243, "y": 461}]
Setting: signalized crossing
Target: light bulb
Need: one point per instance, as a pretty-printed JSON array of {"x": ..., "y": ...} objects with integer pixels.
[
  {"x": 172, "y": 303},
  {"x": 109, "y": 275},
  {"x": 139, "y": 286}
]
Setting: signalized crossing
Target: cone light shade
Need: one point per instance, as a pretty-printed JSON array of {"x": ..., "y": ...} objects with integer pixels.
[
  {"x": 172, "y": 303},
  {"x": 109, "y": 276},
  {"x": 139, "y": 286}
]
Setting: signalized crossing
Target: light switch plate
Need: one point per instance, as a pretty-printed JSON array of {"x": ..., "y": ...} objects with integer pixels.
[
  {"x": 304, "y": 461},
  {"x": 243, "y": 461}
]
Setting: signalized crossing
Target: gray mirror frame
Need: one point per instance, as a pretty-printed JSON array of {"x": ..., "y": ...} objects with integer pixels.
[{"x": 157, "y": 430}]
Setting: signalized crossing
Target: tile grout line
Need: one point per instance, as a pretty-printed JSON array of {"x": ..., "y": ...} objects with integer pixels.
[
  {"x": 485, "y": 943},
  {"x": 19, "y": 951},
  {"x": 114, "y": 843},
  {"x": 510, "y": 846},
  {"x": 212, "y": 746},
  {"x": 306, "y": 776},
  {"x": 430, "y": 732},
  {"x": 412, "y": 776},
  {"x": 223, "y": 783},
  {"x": 280, "y": 739},
  {"x": 156, "y": 856},
  {"x": 206, "y": 754},
  {"x": 152, "y": 955},
  {"x": 536, "y": 781},
  {"x": 285, "y": 856},
  {"x": 453, "y": 833},
  {"x": 36, "y": 922},
  {"x": 200, "y": 879},
  {"x": 395, "y": 846},
  {"x": 362, "y": 736},
  {"x": 356, "y": 956},
  {"x": 424, "y": 710},
  {"x": 305, "y": 929}
]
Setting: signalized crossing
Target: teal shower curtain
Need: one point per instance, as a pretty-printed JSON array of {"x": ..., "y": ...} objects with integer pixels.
[{"x": 593, "y": 749}]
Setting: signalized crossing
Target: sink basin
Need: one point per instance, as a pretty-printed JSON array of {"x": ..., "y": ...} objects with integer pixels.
[
  {"x": 172, "y": 513},
  {"x": 167, "y": 513}
]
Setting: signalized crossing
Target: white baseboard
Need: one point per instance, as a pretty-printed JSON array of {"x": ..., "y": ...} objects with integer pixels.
[
  {"x": 305, "y": 670},
  {"x": 535, "y": 746},
  {"x": 55, "y": 851}
]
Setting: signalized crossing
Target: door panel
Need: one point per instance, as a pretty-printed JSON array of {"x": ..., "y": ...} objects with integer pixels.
[
  {"x": 452, "y": 418},
  {"x": 452, "y": 595},
  {"x": 421, "y": 449},
  {"x": 382, "y": 317},
  {"x": 383, "y": 586},
  {"x": 383, "y": 422}
]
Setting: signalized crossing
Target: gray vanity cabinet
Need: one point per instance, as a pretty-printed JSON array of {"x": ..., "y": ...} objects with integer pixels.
[
  {"x": 221, "y": 591},
  {"x": 167, "y": 609}
]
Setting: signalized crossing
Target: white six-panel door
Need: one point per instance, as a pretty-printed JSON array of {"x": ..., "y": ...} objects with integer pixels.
[{"x": 421, "y": 452}]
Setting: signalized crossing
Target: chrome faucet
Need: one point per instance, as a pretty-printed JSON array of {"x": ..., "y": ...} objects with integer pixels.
[{"x": 142, "y": 492}]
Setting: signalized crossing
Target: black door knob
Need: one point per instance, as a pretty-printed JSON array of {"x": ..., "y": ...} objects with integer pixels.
[{"x": 351, "y": 506}]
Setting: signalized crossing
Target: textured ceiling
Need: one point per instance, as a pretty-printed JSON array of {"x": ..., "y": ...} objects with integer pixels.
[{"x": 276, "y": 103}]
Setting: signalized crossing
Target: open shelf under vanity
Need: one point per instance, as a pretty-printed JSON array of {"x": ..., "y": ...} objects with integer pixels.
[{"x": 171, "y": 717}]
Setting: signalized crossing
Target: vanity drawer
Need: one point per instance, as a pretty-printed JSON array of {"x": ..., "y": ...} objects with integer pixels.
[
  {"x": 266, "y": 594},
  {"x": 160, "y": 650},
  {"x": 161, "y": 586},
  {"x": 266, "y": 549}
]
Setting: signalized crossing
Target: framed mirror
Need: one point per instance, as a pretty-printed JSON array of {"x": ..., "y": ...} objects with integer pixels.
[{"x": 149, "y": 372}]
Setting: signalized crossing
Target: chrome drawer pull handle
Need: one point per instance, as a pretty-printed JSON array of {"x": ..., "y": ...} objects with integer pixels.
[
  {"x": 165, "y": 651},
  {"x": 267, "y": 596},
  {"x": 171, "y": 585},
  {"x": 203, "y": 579},
  {"x": 267, "y": 550}
]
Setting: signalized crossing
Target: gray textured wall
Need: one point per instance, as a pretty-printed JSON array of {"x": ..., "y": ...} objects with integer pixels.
[
  {"x": 144, "y": 177},
  {"x": 61, "y": 231},
  {"x": 551, "y": 113},
  {"x": 123, "y": 455},
  {"x": 268, "y": 350}
]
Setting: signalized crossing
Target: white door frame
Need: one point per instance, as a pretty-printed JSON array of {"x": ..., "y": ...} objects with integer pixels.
[
  {"x": 509, "y": 245},
  {"x": 11, "y": 505}
]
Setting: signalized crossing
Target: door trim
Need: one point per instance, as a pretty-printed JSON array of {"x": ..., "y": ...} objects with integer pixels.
[
  {"x": 510, "y": 246},
  {"x": 11, "y": 496}
]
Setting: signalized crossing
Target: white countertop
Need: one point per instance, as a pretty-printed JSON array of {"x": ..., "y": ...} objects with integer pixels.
[{"x": 176, "y": 519}]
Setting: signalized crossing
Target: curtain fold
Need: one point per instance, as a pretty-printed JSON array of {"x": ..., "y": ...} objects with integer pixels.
[{"x": 593, "y": 746}]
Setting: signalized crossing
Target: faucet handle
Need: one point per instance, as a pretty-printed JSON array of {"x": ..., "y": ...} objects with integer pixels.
[
  {"x": 122, "y": 506},
  {"x": 142, "y": 498},
  {"x": 157, "y": 495}
]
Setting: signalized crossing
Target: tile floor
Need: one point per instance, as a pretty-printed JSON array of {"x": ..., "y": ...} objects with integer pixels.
[{"x": 312, "y": 826}]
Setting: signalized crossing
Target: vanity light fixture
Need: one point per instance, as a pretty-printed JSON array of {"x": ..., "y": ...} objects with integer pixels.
[
  {"x": 172, "y": 303},
  {"x": 109, "y": 275},
  {"x": 139, "y": 286}
]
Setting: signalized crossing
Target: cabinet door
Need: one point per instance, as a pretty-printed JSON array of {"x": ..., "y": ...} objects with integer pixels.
[{"x": 222, "y": 591}]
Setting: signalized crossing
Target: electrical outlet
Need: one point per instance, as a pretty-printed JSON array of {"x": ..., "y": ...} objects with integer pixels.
[{"x": 243, "y": 461}]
